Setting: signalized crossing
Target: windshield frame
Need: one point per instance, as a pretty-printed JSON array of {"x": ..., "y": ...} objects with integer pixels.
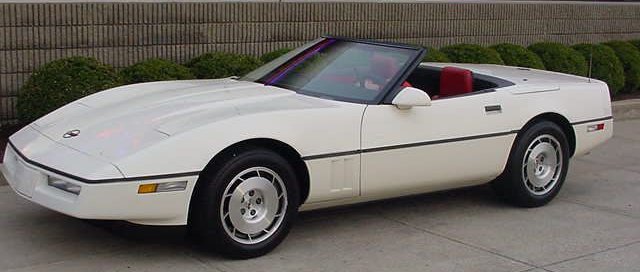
[{"x": 392, "y": 87}]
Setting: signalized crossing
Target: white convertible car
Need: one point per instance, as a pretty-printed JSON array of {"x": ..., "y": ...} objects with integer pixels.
[{"x": 334, "y": 122}]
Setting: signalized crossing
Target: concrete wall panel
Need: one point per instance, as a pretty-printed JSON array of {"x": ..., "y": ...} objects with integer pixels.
[{"x": 121, "y": 34}]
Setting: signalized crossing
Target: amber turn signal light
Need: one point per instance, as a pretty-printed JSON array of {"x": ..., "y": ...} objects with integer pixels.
[{"x": 147, "y": 188}]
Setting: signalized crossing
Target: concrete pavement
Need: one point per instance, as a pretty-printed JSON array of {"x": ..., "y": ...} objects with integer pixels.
[{"x": 594, "y": 225}]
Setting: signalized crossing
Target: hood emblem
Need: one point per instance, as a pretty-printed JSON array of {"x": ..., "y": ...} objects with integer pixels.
[{"x": 71, "y": 133}]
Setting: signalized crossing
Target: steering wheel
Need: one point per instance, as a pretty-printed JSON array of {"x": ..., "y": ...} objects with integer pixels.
[
  {"x": 378, "y": 80},
  {"x": 362, "y": 79}
]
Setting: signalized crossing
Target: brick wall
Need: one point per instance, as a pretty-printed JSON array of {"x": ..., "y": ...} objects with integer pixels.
[{"x": 124, "y": 33}]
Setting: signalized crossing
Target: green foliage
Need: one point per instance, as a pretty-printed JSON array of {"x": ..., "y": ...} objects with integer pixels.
[
  {"x": 636, "y": 43},
  {"x": 155, "y": 70},
  {"x": 435, "y": 55},
  {"x": 219, "y": 64},
  {"x": 630, "y": 58},
  {"x": 471, "y": 53},
  {"x": 274, "y": 54},
  {"x": 516, "y": 55},
  {"x": 60, "y": 82},
  {"x": 560, "y": 58},
  {"x": 605, "y": 65}
]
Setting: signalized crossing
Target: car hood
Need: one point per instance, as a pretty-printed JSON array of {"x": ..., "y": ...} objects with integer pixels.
[{"x": 116, "y": 123}]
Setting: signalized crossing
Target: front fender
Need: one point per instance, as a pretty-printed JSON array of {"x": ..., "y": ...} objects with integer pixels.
[{"x": 308, "y": 131}]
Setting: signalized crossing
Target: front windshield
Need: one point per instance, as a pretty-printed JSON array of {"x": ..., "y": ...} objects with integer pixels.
[{"x": 337, "y": 69}]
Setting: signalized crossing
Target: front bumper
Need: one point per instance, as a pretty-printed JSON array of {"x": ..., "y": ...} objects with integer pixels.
[{"x": 109, "y": 201}]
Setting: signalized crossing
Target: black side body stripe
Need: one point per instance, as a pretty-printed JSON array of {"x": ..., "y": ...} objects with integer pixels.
[
  {"x": 592, "y": 120},
  {"x": 312, "y": 157},
  {"x": 409, "y": 145},
  {"x": 328, "y": 155},
  {"x": 466, "y": 138},
  {"x": 93, "y": 181}
]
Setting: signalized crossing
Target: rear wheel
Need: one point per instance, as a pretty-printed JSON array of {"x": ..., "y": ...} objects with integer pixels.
[
  {"x": 537, "y": 166},
  {"x": 245, "y": 209}
]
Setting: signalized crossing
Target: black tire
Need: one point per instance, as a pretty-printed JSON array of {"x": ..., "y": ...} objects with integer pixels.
[
  {"x": 514, "y": 185},
  {"x": 207, "y": 224}
]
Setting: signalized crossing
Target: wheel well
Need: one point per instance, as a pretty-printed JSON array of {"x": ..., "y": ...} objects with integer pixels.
[
  {"x": 559, "y": 120},
  {"x": 285, "y": 150}
]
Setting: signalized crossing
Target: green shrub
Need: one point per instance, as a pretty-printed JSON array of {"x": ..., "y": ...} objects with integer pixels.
[
  {"x": 630, "y": 58},
  {"x": 560, "y": 58},
  {"x": 636, "y": 43},
  {"x": 60, "y": 82},
  {"x": 605, "y": 65},
  {"x": 219, "y": 64},
  {"x": 435, "y": 55},
  {"x": 274, "y": 54},
  {"x": 154, "y": 70},
  {"x": 471, "y": 53},
  {"x": 516, "y": 55}
]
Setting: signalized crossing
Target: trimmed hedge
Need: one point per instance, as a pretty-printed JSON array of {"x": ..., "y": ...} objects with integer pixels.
[
  {"x": 560, "y": 58},
  {"x": 60, "y": 82},
  {"x": 636, "y": 43},
  {"x": 155, "y": 70},
  {"x": 274, "y": 54},
  {"x": 605, "y": 65},
  {"x": 516, "y": 55},
  {"x": 435, "y": 55},
  {"x": 471, "y": 53},
  {"x": 630, "y": 58},
  {"x": 219, "y": 65}
]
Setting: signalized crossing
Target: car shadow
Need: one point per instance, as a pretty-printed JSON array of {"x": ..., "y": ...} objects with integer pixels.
[
  {"x": 455, "y": 198},
  {"x": 157, "y": 235}
]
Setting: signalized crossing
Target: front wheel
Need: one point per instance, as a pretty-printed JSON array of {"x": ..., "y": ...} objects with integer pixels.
[
  {"x": 537, "y": 166},
  {"x": 245, "y": 209}
]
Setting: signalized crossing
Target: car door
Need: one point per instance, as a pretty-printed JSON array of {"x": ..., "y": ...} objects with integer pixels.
[{"x": 454, "y": 142}]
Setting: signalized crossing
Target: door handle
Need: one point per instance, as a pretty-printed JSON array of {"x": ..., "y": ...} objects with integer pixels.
[{"x": 493, "y": 109}]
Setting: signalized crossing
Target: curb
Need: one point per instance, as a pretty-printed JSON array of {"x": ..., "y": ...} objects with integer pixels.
[{"x": 626, "y": 109}]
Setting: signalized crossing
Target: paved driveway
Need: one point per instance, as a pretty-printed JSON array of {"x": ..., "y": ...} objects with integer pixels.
[{"x": 594, "y": 225}]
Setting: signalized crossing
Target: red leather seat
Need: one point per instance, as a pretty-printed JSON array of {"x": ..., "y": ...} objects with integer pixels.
[{"x": 455, "y": 81}]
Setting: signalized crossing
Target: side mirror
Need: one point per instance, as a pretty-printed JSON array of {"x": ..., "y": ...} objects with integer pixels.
[{"x": 410, "y": 97}]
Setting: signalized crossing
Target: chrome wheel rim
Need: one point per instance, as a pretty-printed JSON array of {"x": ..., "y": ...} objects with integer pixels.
[
  {"x": 542, "y": 164},
  {"x": 253, "y": 205}
]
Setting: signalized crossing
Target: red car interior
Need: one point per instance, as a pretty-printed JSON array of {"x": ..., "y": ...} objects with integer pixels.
[{"x": 455, "y": 81}]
